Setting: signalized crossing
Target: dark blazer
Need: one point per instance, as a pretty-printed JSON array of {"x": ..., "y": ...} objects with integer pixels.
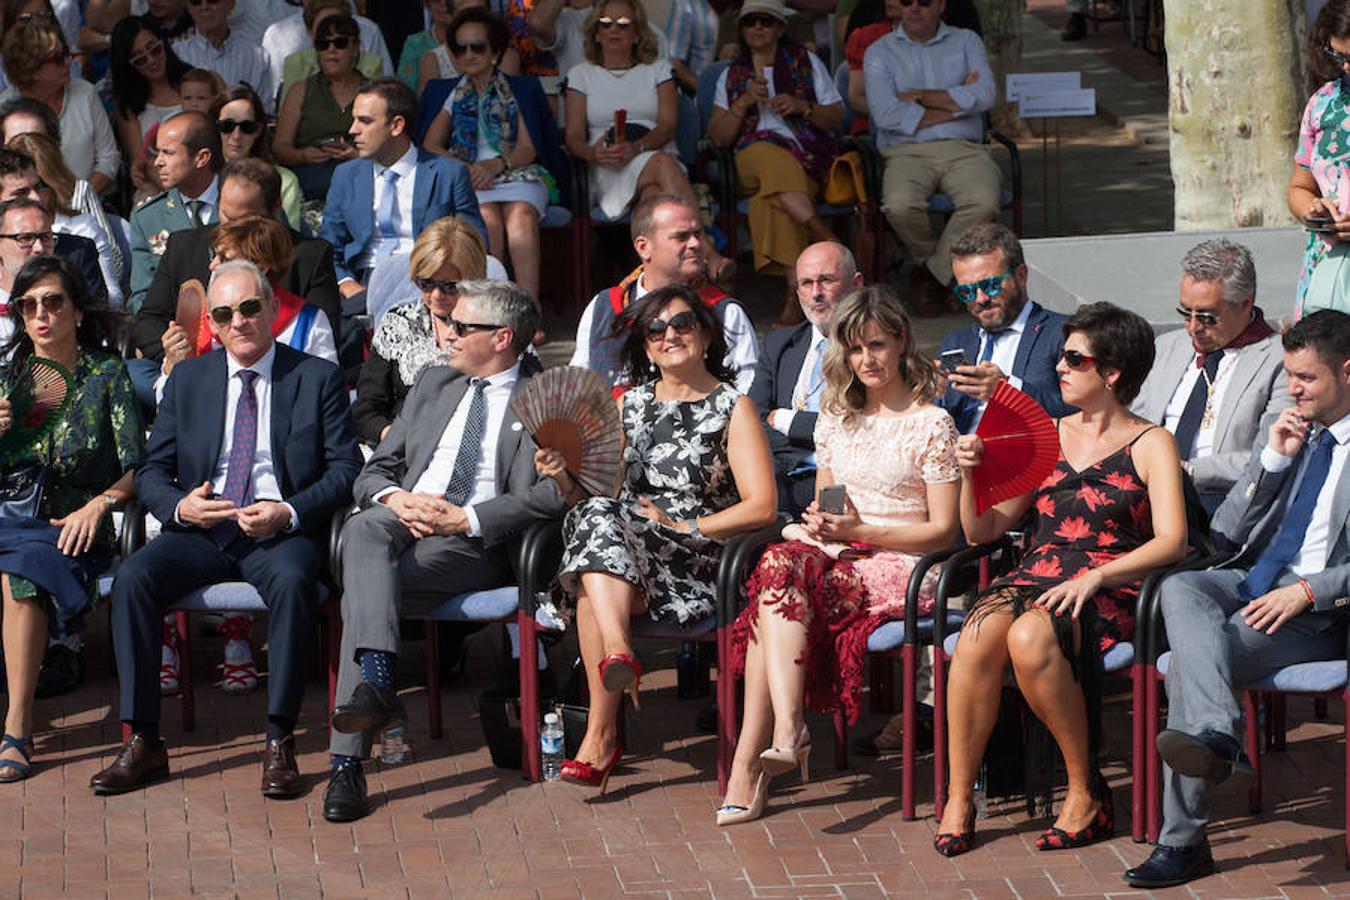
[
  {"x": 187, "y": 255},
  {"x": 1037, "y": 353},
  {"x": 776, "y": 373},
  {"x": 442, "y": 188},
  {"x": 82, "y": 253},
  {"x": 313, "y": 450},
  {"x": 401, "y": 458}
]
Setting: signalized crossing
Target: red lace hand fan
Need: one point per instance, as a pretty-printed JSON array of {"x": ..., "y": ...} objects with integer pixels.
[
  {"x": 38, "y": 401},
  {"x": 191, "y": 315},
  {"x": 1021, "y": 447},
  {"x": 571, "y": 410}
]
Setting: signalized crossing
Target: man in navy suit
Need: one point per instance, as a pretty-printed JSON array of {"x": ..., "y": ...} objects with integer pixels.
[
  {"x": 787, "y": 388},
  {"x": 251, "y": 454},
  {"x": 1014, "y": 338}
]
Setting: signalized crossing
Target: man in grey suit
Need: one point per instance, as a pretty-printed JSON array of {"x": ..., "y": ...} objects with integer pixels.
[
  {"x": 449, "y": 486},
  {"x": 1215, "y": 381},
  {"x": 1280, "y": 600}
]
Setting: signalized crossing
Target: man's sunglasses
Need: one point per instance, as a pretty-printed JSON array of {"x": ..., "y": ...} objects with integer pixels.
[
  {"x": 463, "y": 328},
  {"x": 759, "y": 19},
  {"x": 1339, "y": 59},
  {"x": 683, "y": 323},
  {"x": 150, "y": 51},
  {"x": 52, "y": 303},
  {"x": 478, "y": 47},
  {"x": 427, "y": 285},
  {"x": 1204, "y": 318},
  {"x": 990, "y": 287},
  {"x": 1075, "y": 360},
  {"x": 59, "y": 58},
  {"x": 227, "y": 126},
  {"x": 249, "y": 308},
  {"x": 26, "y": 239},
  {"x": 200, "y": 2},
  {"x": 611, "y": 22},
  {"x": 924, "y": 3},
  {"x": 336, "y": 43}
]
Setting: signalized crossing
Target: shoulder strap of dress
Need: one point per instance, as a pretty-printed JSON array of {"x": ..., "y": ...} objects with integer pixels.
[{"x": 1141, "y": 434}]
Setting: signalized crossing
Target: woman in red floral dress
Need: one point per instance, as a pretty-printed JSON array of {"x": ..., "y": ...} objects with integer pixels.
[{"x": 1110, "y": 512}]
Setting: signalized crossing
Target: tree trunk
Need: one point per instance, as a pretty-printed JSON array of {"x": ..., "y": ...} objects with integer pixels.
[
  {"x": 1236, "y": 92},
  {"x": 1001, "y": 21}
]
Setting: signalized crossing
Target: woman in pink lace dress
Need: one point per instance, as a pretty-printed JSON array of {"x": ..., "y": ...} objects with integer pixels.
[{"x": 816, "y": 597}]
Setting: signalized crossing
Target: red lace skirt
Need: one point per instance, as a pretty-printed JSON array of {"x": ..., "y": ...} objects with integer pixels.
[{"x": 802, "y": 583}]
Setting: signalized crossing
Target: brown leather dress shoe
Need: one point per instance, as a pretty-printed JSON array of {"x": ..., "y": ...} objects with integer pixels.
[
  {"x": 137, "y": 765},
  {"x": 281, "y": 774}
]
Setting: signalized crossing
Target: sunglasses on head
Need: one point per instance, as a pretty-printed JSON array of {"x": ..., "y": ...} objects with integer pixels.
[
  {"x": 479, "y": 47},
  {"x": 26, "y": 239},
  {"x": 1075, "y": 360},
  {"x": 990, "y": 287},
  {"x": 336, "y": 43},
  {"x": 463, "y": 328},
  {"x": 759, "y": 19},
  {"x": 1339, "y": 59},
  {"x": 249, "y": 308},
  {"x": 150, "y": 51},
  {"x": 683, "y": 323},
  {"x": 52, "y": 303},
  {"x": 227, "y": 126},
  {"x": 611, "y": 22},
  {"x": 1203, "y": 318},
  {"x": 427, "y": 285}
]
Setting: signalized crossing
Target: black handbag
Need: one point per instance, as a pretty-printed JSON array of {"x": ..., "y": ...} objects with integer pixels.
[{"x": 21, "y": 492}]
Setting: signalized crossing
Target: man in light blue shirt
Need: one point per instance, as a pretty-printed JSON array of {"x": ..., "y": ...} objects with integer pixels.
[{"x": 928, "y": 86}]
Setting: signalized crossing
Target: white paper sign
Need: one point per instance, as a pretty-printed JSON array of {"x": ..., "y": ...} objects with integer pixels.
[
  {"x": 1058, "y": 104},
  {"x": 1020, "y": 84}
]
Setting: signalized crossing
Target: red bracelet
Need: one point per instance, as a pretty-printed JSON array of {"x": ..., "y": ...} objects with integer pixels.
[{"x": 1307, "y": 589}]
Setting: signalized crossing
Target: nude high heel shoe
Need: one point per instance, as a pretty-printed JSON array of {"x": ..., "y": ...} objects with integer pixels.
[
  {"x": 734, "y": 815},
  {"x": 777, "y": 760}
]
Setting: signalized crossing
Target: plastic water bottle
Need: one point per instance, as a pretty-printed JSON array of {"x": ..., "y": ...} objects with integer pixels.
[
  {"x": 981, "y": 799},
  {"x": 393, "y": 745},
  {"x": 551, "y": 747},
  {"x": 686, "y": 672}
]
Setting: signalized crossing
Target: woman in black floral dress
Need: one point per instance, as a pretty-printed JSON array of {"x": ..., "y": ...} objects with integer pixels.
[
  {"x": 49, "y": 565},
  {"x": 1109, "y": 513},
  {"x": 696, "y": 472}
]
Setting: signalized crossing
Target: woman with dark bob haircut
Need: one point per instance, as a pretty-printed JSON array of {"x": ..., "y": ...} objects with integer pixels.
[
  {"x": 50, "y": 561},
  {"x": 1110, "y": 512},
  {"x": 695, "y": 472}
]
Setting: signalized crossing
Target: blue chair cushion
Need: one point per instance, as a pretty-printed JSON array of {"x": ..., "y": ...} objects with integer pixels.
[
  {"x": 229, "y": 596},
  {"x": 556, "y": 217},
  {"x": 646, "y": 628},
  {"x": 1301, "y": 678},
  {"x": 478, "y": 606},
  {"x": 943, "y": 205},
  {"x": 890, "y": 635},
  {"x": 1118, "y": 658},
  {"x": 598, "y": 217}
]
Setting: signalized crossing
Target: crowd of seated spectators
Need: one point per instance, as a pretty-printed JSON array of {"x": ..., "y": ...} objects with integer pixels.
[{"x": 253, "y": 219}]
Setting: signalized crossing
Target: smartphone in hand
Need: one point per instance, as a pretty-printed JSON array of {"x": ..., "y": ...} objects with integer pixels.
[
  {"x": 950, "y": 359},
  {"x": 832, "y": 499}
]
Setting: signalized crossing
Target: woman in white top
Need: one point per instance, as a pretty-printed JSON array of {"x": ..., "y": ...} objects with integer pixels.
[
  {"x": 145, "y": 75},
  {"x": 37, "y": 62}
]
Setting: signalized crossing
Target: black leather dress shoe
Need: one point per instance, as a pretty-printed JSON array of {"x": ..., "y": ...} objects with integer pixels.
[
  {"x": 137, "y": 765},
  {"x": 281, "y": 773},
  {"x": 1170, "y": 866},
  {"x": 370, "y": 709},
  {"x": 62, "y": 671},
  {"x": 1209, "y": 754},
  {"x": 345, "y": 799}
]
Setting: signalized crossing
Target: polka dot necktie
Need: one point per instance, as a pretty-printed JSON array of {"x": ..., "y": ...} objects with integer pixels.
[{"x": 464, "y": 474}]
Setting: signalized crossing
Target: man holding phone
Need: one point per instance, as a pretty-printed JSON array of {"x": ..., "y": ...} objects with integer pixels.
[{"x": 1013, "y": 338}]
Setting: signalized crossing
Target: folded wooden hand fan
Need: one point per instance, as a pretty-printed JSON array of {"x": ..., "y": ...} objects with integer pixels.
[
  {"x": 571, "y": 410},
  {"x": 1021, "y": 447},
  {"x": 191, "y": 315},
  {"x": 37, "y": 402}
]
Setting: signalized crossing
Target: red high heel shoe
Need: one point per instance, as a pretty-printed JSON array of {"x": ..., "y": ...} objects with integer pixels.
[
  {"x": 621, "y": 672},
  {"x": 575, "y": 772},
  {"x": 1102, "y": 827}
]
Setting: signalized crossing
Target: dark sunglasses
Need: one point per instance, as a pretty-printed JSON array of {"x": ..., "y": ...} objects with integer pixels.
[
  {"x": 683, "y": 323},
  {"x": 227, "y": 126},
  {"x": 990, "y": 287},
  {"x": 463, "y": 328},
  {"x": 337, "y": 43},
  {"x": 924, "y": 3},
  {"x": 52, "y": 303},
  {"x": 759, "y": 19},
  {"x": 427, "y": 285},
  {"x": 1339, "y": 59},
  {"x": 1075, "y": 360},
  {"x": 1203, "y": 318},
  {"x": 26, "y": 239},
  {"x": 200, "y": 2},
  {"x": 39, "y": 16},
  {"x": 479, "y": 47},
  {"x": 611, "y": 22},
  {"x": 58, "y": 58},
  {"x": 249, "y": 308},
  {"x": 150, "y": 51}
]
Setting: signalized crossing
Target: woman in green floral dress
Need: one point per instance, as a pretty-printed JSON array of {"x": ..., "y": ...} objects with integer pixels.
[{"x": 49, "y": 565}]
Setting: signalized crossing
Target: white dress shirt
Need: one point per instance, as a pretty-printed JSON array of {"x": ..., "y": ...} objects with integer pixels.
[
  {"x": 1312, "y": 556},
  {"x": 782, "y": 418},
  {"x": 236, "y": 60},
  {"x": 1004, "y": 353},
  {"x": 210, "y": 200},
  {"x": 85, "y": 225},
  {"x": 1204, "y": 436},
  {"x": 406, "y": 167}
]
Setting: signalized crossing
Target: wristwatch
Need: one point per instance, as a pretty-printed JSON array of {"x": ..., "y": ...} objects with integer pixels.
[
  {"x": 109, "y": 501},
  {"x": 693, "y": 528}
]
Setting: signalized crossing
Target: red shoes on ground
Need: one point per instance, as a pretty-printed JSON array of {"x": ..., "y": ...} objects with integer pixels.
[{"x": 618, "y": 672}]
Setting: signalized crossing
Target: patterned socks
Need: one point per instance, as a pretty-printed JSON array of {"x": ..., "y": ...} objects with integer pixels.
[
  {"x": 377, "y": 667},
  {"x": 341, "y": 762}
]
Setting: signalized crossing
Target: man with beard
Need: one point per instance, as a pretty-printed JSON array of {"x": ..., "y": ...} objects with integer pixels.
[{"x": 1014, "y": 338}]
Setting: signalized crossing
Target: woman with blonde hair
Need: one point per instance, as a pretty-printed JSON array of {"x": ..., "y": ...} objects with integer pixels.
[
  {"x": 844, "y": 569},
  {"x": 413, "y": 336}
]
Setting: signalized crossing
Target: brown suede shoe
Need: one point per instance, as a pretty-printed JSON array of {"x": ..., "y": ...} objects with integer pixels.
[
  {"x": 281, "y": 774},
  {"x": 137, "y": 765}
]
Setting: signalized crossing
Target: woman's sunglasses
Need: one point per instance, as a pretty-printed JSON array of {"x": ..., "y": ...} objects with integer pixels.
[
  {"x": 991, "y": 287},
  {"x": 1075, "y": 360},
  {"x": 611, "y": 22},
  {"x": 762, "y": 21},
  {"x": 249, "y": 308},
  {"x": 427, "y": 285},
  {"x": 52, "y": 303},
  {"x": 683, "y": 323},
  {"x": 336, "y": 43},
  {"x": 247, "y": 126},
  {"x": 1339, "y": 59},
  {"x": 1204, "y": 318},
  {"x": 150, "y": 52},
  {"x": 478, "y": 47}
]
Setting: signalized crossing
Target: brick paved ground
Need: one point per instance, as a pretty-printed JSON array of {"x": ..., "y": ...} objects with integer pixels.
[{"x": 448, "y": 822}]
